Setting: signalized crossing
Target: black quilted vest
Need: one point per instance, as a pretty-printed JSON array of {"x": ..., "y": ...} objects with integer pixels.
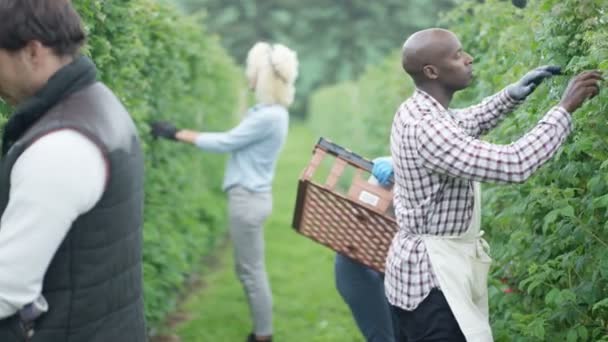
[{"x": 94, "y": 282}]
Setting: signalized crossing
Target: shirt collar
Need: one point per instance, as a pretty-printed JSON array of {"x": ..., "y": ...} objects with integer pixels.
[{"x": 430, "y": 100}]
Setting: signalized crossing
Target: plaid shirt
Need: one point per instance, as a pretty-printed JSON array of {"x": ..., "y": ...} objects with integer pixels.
[{"x": 437, "y": 156}]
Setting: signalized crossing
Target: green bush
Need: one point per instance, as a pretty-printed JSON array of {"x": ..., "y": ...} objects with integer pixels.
[
  {"x": 336, "y": 119},
  {"x": 163, "y": 65},
  {"x": 550, "y": 235},
  {"x": 358, "y": 114}
]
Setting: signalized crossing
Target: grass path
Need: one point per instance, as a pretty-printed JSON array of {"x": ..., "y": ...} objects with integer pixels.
[{"x": 306, "y": 305}]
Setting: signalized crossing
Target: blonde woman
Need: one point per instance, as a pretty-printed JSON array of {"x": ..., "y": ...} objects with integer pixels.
[{"x": 254, "y": 146}]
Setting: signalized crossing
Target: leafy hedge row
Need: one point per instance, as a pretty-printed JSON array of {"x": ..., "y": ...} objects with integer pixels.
[
  {"x": 163, "y": 65},
  {"x": 550, "y": 235},
  {"x": 359, "y": 114}
]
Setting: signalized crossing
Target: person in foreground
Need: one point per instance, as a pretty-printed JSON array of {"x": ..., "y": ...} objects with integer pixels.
[
  {"x": 254, "y": 147},
  {"x": 437, "y": 265},
  {"x": 71, "y": 188}
]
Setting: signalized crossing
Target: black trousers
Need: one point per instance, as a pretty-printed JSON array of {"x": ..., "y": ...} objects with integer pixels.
[{"x": 431, "y": 321}]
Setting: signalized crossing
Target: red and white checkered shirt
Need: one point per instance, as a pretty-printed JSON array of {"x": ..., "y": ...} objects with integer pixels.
[{"x": 436, "y": 157}]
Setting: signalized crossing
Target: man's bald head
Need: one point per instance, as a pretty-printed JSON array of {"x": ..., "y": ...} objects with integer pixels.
[
  {"x": 425, "y": 47},
  {"x": 430, "y": 48}
]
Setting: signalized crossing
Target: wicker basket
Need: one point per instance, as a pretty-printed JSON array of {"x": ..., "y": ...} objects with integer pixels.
[{"x": 348, "y": 214}]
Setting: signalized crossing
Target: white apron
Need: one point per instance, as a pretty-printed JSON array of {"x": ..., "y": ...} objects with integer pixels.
[{"x": 461, "y": 264}]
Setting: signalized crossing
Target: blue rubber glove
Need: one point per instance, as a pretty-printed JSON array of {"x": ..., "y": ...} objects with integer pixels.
[{"x": 383, "y": 170}]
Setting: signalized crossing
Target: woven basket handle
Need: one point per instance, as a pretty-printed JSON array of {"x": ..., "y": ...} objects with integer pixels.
[{"x": 346, "y": 154}]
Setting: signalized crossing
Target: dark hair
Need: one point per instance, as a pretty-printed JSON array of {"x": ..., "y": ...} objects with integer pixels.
[{"x": 54, "y": 23}]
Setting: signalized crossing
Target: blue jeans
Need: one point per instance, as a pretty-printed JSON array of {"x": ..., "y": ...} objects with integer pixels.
[{"x": 362, "y": 288}]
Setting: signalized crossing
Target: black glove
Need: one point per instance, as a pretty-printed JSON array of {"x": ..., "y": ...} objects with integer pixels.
[
  {"x": 519, "y": 3},
  {"x": 163, "y": 129},
  {"x": 526, "y": 85}
]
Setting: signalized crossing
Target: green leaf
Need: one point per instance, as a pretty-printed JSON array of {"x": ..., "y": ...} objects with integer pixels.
[
  {"x": 534, "y": 284},
  {"x": 537, "y": 328},
  {"x": 602, "y": 304},
  {"x": 567, "y": 296},
  {"x": 572, "y": 336},
  {"x": 582, "y": 332},
  {"x": 553, "y": 215},
  {"x": 604, "y": 267},
  {"x": 553, "y": 296},
  {"x": 601, "y": 202}
]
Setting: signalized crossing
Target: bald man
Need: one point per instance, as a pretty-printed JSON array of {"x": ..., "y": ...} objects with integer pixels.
[{"x": 437, "y": 266}]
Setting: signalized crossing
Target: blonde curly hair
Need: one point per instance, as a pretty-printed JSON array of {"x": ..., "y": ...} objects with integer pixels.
[{"x": 272, "y": 70}]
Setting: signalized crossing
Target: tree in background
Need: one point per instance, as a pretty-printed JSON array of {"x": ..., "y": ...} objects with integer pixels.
[{"x": 335, "y": 39}]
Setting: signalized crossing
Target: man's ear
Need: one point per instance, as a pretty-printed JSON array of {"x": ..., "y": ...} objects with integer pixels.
[
  {"x": 431, "y": 72},
  {"x": 33, "y": 52}
]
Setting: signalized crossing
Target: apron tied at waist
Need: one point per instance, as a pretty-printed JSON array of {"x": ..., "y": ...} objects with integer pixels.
[{"x": 461, "y": 265}]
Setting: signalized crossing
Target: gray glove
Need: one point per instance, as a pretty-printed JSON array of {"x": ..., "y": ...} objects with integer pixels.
[{"x": 526, "y": 85}]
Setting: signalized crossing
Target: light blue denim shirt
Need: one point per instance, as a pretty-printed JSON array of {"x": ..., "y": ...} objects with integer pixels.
[{"x": 254, "y": 147}]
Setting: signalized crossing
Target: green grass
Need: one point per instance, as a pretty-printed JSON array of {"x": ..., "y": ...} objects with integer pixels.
[{"x": 307, "y": 306}]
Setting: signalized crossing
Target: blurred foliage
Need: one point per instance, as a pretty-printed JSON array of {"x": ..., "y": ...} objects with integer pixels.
[
  {"x": 359, "y": 114},
  {"x": 162, "y": 65},
  {"x": 335, "y": 40}
]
